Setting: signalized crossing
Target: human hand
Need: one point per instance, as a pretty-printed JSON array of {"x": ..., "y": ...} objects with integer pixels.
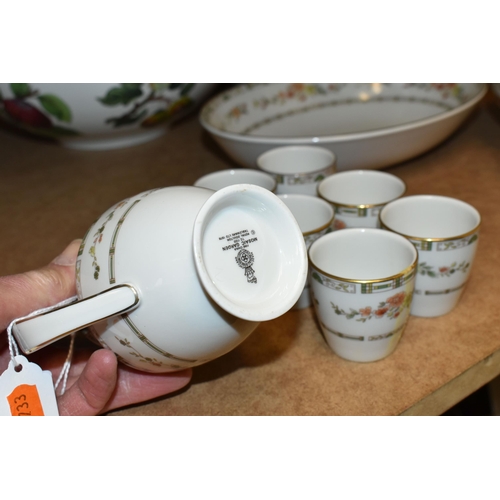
[{"x": 96, "y": 382}]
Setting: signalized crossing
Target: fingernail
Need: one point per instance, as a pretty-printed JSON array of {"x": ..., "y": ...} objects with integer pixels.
[{"x": 69, "y": 255}]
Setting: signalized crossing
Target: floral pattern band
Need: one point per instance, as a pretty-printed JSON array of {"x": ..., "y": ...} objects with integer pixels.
[
  {"x": 391, "y": 308},
  {"x": 372, "y": 287}
]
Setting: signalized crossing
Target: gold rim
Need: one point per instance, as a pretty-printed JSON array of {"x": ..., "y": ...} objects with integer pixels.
[
  {"x": 319, "y": 229},
  {"x": 355, "y": 206},
  {"x": 406, "y": 271},
  {"x": 419, "y": 238},
  {"x": 86, "y": 325},
  {"x": 300, "y": 174},
  {"x": 364, "y": 205}
]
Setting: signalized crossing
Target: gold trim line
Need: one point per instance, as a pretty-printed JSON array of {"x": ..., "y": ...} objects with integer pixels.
[{"x": 410, "y": 269}]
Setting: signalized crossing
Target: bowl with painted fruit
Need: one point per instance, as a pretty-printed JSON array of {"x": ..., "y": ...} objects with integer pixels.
[{"x": 99, "y": 116}]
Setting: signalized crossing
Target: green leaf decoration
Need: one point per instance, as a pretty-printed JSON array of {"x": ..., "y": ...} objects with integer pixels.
[
  {"x": 187, "y": 88},
  {"x": 124, "y": 94},
  {"x": 473, "y": 239},
  {"x": 56, "y": 107},
  {"x": 317, "y": 277},
  {"x": 20, "y": 89}
]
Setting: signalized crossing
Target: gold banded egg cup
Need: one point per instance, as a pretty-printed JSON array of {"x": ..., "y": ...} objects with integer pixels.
[{"x": 362, "y": 282}]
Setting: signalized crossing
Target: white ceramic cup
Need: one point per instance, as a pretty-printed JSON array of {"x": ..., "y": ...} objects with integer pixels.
[
  {"x": 445, "y": 232},
  {"x": 362, "y": 284},
  {"x": 298, "y": 169},
  {"x": 315, "y": 218},
  {"x": 223, "y": 178},
  {"x": 359, "y": 195},
  {"x": 174, "y": 277}
]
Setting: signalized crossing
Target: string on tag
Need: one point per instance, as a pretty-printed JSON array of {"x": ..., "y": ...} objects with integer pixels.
[
  {"x": 67, "y": 365},
  {"x": 14, "y": 349}
]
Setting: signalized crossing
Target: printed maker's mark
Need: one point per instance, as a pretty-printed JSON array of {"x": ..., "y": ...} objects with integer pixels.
[{"x": 245, "y": 259}]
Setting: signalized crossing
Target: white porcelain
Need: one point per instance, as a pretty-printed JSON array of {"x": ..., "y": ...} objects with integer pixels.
[
  {"x": 97, "y": 116},
  {"x": 228, "y": 177},
  {"x": 298, "y": 169},
  {"x": 362, "y": 283},
  {"x": 359, "y": 195},
  {"x": 315, "y": 218},
  {"x": 250, "y": 253},
  {"x": 366, "y": 125},
  {"x": 189, "y": 272},
  {"x": 445, "y": 232}
]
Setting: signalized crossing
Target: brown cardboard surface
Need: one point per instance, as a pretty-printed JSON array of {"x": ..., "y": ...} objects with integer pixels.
[{"x": 50, "y": 195}]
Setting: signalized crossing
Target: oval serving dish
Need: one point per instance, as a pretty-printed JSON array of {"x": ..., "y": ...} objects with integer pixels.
[{"x": 367, "y": 125}]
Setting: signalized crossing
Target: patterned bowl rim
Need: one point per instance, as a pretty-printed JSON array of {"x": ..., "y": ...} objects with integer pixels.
[{"x": 322, "y": 139}]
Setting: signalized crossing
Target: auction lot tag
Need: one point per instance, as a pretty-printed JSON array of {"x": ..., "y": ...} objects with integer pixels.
[{"x": 27, "y": 391}]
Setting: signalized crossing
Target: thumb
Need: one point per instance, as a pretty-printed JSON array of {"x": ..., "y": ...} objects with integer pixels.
[
  {"x": 93, "y": 388},
  {"x": 23, "y": 293}
]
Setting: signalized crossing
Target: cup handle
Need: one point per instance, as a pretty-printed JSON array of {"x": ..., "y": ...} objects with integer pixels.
[{"x": 39, "y": 331}]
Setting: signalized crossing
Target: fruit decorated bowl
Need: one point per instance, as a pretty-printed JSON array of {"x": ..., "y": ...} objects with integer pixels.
[
  {"x": 98, "y": 116},
  {"x": 366, "y": 125}
]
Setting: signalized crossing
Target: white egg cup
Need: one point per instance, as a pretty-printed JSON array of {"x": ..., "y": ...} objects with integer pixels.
[
  {"x": 359, "y": 195},
  {"x": 298, "y": 169},
  {"x": 315, "y": 218},
  {"x": 362, "y": 283},
  {"x": 445, "y": 232}
]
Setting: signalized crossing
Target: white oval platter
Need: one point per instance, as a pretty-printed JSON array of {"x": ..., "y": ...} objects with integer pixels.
[{"x": 367, "y": 125}]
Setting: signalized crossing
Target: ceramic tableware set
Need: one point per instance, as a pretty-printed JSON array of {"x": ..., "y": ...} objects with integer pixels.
[
  {"x": 395, "y": 256},
  {"x": 174, "y": 277},
  {"x": 375, "y": 256},
  {"x": 386, "y": 257}
]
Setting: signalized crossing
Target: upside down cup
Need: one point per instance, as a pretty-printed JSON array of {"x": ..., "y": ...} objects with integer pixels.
[{"x": 174, "y": 277}]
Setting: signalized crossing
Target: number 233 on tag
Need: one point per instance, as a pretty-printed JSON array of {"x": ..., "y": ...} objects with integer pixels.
[{"x": 26, "y": 390}]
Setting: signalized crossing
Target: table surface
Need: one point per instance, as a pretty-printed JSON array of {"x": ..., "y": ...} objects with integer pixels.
[{"x": 51, "y": 195}]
